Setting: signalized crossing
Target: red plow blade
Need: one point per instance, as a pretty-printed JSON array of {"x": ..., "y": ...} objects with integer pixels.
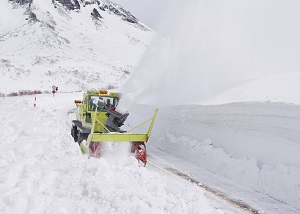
[{"x": 137, "y": 148}]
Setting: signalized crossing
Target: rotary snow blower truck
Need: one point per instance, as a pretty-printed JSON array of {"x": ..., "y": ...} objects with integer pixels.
[{"x": 98, "y": 123}]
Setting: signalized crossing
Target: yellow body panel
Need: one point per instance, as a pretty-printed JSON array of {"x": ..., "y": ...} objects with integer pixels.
[
  {"x": 95, "y": 120},
  {"x": 83, "y": 110},
  {"x": 119, "y": 137}
]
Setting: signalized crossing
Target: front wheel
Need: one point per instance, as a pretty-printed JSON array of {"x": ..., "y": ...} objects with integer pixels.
[
  {"x": 139, "y": 148},
  {"x": 81, "y": 137},
  {"x": 74, "y": 133},
  {"x": 95, "y": 149}
]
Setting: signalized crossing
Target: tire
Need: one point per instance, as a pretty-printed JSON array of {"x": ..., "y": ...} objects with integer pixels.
[
  {"x": 74, "y": 133},
  {"x": 81, "y": 137},
  {"x": 79, "y": 140}
]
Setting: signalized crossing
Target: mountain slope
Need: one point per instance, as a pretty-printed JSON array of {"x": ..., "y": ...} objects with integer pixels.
[{"x": 75, "y": 44}]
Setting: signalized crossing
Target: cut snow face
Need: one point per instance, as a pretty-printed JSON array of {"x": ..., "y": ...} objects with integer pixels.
[
  {"x": 204, "y": 48},
  {"x": 253, "y": 144}
]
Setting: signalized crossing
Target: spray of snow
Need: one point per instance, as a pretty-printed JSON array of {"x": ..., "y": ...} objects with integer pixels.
[
  {"x": 206, "y": 47},
  {"x": 113, "y": 152}
]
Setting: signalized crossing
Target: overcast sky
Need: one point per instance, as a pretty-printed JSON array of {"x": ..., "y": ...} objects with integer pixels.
[{"x": 148, "y": 11}]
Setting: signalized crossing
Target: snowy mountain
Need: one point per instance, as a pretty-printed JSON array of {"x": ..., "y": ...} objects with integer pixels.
[{"x": 73, "y": 44}]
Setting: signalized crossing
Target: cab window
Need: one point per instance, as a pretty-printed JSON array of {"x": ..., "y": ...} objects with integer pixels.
[{"x": 102, "y": 103}]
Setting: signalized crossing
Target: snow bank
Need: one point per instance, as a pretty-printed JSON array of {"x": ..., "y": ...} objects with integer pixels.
[
  {"x": 280, "y": 182},
  {"x": 275, "y": 88},
  {"x": 253, "y": 144}
]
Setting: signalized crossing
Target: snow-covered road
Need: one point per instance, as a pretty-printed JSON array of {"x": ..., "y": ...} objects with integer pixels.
[{"x": 43, "y": 171}]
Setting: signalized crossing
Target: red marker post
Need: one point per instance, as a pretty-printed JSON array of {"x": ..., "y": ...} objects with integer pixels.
[
  {"x": 34, "y": 105},
  {"x": 53, "y": 89}
]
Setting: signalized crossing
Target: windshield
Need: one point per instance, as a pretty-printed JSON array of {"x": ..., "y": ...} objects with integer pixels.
[{"x": 102, "y": 103}]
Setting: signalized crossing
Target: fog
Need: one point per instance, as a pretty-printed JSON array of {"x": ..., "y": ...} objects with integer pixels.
[
  {"x": 203, "y": 48},
  {"x": 149, "y": 12}
]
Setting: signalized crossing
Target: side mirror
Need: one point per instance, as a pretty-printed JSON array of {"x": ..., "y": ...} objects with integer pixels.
[{"x": 77, "y": 101}]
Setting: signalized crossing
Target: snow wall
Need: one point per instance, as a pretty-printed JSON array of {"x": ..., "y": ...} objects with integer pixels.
[{"x": 252, "y": 144}]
